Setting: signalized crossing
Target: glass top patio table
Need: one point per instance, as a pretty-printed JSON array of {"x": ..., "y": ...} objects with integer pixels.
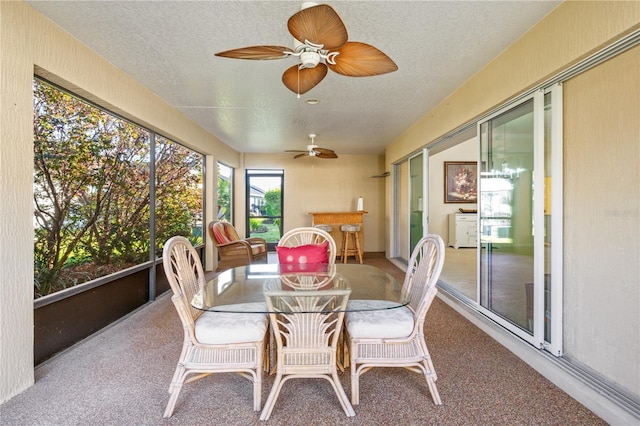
[{"x": 242, "y": 289}]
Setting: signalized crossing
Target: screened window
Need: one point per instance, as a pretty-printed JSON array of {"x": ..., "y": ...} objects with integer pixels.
[
  {"x": 225, "y": 192},
  {"x": 92, "y": 191},
  {"x": 179, "y": 193}
]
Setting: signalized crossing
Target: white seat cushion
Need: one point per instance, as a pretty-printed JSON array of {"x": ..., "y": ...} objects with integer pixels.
[
  {"x": 214, "y": 328},
  {"x": 380, "y": 323}
]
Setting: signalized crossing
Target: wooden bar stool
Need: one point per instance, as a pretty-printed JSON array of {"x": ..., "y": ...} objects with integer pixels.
[{"x": 351, "y": 242}]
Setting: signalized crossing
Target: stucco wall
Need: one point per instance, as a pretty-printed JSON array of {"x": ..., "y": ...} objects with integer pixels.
[
  {"x": 601, "y": 301},
  {"x": 569, "y": 33},
  {"x": 320, "y": 185},
  {"x": 602, "y": 219},
  {"x": 29, "y": 42}
]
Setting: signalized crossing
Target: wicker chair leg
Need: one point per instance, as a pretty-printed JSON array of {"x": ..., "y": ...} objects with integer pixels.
[
  {"x": 266, "y": 350},
  {"x": 180, "y": 370},
  {"x": 257, "y": 395},
  {"x": 342, "y": 352},
  {"x": 430, "y": 375},
  {"x": 273, "y": 396},
  {"x": 175, "y": 391},
  {"x": 355, "y": 383},
  {"x": 257, "y": 388},
  {"x": 434, "y": 391},
  {"x": 342, "y": 397}
]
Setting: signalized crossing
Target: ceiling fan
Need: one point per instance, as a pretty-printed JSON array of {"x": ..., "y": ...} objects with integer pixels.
[
  {"x": 314, "y": 151},
  {"x": 320, "y": 43}
]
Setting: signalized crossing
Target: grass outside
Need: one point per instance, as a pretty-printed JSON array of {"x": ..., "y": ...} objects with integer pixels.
[{"x": 272, "y": 233}]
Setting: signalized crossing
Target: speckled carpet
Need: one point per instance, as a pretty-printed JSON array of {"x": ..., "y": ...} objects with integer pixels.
[{"x": 120, "y": 376}]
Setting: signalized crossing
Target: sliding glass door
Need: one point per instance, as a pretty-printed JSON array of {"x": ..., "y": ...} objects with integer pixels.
[
  {"x": 415, "y": 208},
  {"x": 506, "y": 215},
  {"x": 518, "y": 157}
]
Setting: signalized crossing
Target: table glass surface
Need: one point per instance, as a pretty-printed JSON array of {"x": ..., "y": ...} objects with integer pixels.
[{"x": 243, "y": 289}]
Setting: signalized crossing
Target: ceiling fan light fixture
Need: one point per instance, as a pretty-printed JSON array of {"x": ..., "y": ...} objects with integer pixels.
[
  {"x": 312, "y": 101},
  {"x": 309, "y": 59}
]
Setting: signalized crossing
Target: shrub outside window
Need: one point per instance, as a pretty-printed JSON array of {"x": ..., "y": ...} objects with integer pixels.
[{"x": 92, "y": 191}]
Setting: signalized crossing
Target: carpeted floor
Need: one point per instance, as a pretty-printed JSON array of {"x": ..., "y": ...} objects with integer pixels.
[{"x": 120, "y": 376}]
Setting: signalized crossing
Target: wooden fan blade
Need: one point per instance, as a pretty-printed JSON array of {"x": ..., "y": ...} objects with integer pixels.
[
  {"x": 358, "y": 59},
  {"x": 326, "y": 154},
  {"x": 323, "y": 150},
  {"x": 300, "y": 155},
  {"x": 256, "y": 52},
  {"x": 300, "y": 81},
  {"x": 294, "y": 150},
  {"x": 320, "y": 25}
]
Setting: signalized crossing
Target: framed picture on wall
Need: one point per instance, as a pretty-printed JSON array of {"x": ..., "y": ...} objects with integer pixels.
[{"x": 460, "y": 182}]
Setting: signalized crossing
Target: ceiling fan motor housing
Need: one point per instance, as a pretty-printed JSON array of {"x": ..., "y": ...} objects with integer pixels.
[{"x": 309, "y": 59}]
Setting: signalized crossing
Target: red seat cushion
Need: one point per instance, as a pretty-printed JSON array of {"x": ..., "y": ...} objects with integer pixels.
[{"x": 220, "y": 234}]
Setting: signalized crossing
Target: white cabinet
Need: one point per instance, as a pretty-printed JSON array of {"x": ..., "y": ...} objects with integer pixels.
[{"x": 463, "y": 230}]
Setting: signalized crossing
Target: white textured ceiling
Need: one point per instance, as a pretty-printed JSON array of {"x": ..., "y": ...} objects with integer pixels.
[{"x": 169, "y": 47}]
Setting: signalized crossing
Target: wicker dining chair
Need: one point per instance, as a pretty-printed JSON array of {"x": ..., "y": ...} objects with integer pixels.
[
  {"x": 214, "y": 342},
  {"x": 306, "y": 340},
  {"x": 395, "y": 337},
  {"x": 309, "y": 235}
]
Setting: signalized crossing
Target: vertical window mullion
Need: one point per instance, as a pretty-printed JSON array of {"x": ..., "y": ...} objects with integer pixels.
[
  {"x": 152, "y": 215},
  {"x": 557, "y": 251}
]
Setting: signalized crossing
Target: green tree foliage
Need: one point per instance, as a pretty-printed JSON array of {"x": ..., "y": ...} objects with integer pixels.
[
  {"x": 273, "y": 202},
  {"x": 224, "y": 197},
  {"x": 91, "y": 191},
  {"x": 178, "y": 192}
]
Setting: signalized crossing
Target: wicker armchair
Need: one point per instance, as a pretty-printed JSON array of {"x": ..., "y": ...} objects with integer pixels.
[
  {"x": 306, "y": 325},
  {"x": 395, "y": 338},
  {"x": 214, "y": 342},
  {"x": 309, "y": 235},
  {"x": 234, "y": 251}
]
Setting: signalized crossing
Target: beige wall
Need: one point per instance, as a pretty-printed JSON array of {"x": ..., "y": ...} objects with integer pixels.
[
  {"x": 602, "y": 219},
  {"x": 571, "y": 32},
  {"x": 28, "y": 41},
  {"x": 320, "y": 185},
  {"x": 601, "y": 171}
]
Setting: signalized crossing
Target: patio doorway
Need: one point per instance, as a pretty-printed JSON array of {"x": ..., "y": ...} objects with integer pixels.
[{"x": 264, "y": 205}]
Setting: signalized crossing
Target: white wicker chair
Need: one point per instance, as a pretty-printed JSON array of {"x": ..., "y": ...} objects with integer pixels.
[
  {"x": 309, "y": 235},
  {"x": 395, "y": 337},
  {"x": 214, "y": 342},
  {"x": 306, "y": 341}
]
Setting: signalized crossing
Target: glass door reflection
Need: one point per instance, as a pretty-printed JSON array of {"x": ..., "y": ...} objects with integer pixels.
[{"x": 506, "y": 216}]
